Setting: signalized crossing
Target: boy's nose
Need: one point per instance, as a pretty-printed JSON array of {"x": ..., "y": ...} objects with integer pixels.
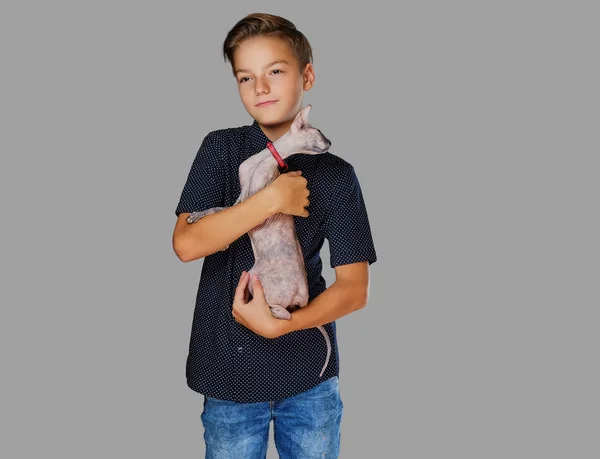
[{"x": 260, "y": 87}]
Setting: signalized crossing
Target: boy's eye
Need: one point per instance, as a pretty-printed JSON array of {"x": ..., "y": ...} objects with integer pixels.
[{"x": 275, "y": 70}]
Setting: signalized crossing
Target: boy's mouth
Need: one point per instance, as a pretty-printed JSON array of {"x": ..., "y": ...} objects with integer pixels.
[{"x": 266, "y": 103}]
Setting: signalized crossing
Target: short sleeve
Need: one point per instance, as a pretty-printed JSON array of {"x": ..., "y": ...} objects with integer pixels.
[
  {"x": 203, "y": 188},
  {"x": 347, "y": 227}
]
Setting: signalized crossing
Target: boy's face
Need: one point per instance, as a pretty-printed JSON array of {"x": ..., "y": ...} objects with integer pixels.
[{"x": 282, "y": 82}]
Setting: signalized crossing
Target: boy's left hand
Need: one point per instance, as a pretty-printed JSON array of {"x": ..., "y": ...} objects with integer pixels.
[{"x": 256, "y": 314}]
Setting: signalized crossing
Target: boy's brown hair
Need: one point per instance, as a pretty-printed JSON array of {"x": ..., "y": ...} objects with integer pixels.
[{"x": 264, "y": 24}]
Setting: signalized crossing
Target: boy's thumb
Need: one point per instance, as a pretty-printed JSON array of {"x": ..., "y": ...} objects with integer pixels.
[{"x": 255, "y": 282}]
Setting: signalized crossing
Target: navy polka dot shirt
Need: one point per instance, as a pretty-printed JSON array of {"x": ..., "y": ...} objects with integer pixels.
[{"x": 226, "y": 360}]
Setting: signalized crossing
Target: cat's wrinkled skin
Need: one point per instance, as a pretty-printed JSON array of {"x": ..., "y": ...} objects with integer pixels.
[{"x": 278, "y": 258}]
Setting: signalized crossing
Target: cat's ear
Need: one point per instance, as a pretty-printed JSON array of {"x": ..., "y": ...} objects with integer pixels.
[{"x": 301, "y": 119}]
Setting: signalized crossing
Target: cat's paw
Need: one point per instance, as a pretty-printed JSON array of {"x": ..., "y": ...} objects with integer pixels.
[
  {"x": 279, "y": 312},
  {"x": 195, "y": 216}
]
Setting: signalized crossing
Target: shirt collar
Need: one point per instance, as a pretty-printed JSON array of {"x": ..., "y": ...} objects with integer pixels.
[{"x": 257, "y": 140}]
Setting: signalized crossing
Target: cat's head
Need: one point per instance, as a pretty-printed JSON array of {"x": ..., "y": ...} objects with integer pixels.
[{"x": 304, "y": 138}]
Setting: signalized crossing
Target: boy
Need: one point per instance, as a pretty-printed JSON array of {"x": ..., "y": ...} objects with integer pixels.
[{"x": 250, "y": 366}]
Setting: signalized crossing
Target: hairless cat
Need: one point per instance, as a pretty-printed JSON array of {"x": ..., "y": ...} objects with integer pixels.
[{"x": 278, "y": 259}]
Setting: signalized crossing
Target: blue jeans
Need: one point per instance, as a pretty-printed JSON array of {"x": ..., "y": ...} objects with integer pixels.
[{"x": 306, "y": 425}]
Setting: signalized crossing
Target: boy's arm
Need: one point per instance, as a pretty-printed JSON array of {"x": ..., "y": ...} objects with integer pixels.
[
  {"x": 204, "y": 189},
  {"x": 213, "y": 232},
  {"x": 349, "y": 293},
  {"x": 352, "y": 250}
]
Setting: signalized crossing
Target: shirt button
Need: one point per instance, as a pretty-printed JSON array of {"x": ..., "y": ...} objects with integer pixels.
[{"x": 240, "y": 349}]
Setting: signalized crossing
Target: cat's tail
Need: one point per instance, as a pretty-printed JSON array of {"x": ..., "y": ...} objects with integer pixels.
[{"x": 328, "y": 342}]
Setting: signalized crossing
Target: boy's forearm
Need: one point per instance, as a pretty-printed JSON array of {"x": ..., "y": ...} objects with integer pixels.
[
  {"x": 340, "y": 299},
  {"x": 216, "y": 231}
]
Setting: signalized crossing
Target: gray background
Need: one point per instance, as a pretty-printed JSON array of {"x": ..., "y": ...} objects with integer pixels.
[{"x": 473, "y": 128}]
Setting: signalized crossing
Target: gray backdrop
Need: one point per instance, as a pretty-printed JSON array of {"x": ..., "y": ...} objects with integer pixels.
[{"x": 473, "y": 128}]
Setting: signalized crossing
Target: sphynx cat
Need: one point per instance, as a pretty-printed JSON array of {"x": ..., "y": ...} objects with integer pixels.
[{"x": 279, "y": 263}]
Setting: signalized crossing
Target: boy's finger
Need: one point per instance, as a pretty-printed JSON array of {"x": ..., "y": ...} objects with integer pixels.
[{"x": 239, "y": 291}]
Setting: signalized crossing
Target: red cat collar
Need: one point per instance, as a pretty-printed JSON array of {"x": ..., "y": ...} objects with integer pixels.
[{"x": 281, "y": 164}]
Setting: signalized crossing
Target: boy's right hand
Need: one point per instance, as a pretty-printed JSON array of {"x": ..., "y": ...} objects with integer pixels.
[{"x": 290, "y": 194}]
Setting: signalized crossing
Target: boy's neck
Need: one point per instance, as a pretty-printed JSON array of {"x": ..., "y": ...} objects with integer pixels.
[{"x": 273, "y": 132}]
